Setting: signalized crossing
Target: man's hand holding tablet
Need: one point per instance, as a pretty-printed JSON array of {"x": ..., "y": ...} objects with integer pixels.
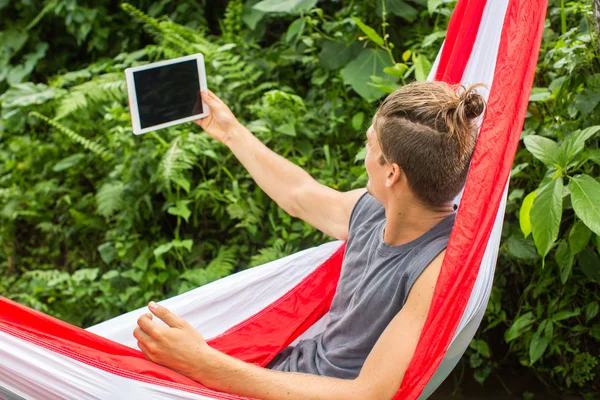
[{"x": 221, "y": 124}]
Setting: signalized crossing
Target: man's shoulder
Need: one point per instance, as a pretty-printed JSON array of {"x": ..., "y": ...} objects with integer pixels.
[{"x": 366, "y": 211}]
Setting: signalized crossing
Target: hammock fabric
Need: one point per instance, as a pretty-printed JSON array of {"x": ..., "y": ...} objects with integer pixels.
[{"x": 254, "y": 314}]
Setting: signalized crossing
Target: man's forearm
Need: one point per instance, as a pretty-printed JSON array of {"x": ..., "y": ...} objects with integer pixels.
[
  {"x": 225, "y": 373},
  {"x": 278, "y": 177}
]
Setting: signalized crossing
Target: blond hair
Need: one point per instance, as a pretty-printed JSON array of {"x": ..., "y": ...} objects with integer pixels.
[{"x": 429, "y": 130}]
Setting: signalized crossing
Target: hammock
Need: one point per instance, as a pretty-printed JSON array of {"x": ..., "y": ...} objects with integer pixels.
[{"x": 254, "y": 314}]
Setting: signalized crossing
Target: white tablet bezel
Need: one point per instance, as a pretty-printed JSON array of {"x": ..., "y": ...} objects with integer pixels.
[{"x": 133, "y": 104}]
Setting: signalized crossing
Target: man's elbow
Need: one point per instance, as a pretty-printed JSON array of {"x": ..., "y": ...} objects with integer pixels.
[{"x": 292, "y": 204}]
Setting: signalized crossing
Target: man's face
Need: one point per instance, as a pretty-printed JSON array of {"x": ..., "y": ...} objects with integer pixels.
[{"x": 375, "y": 171}]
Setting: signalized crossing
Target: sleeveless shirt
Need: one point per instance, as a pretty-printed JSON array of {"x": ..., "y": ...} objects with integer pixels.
[{"x": 374, "y": 284}]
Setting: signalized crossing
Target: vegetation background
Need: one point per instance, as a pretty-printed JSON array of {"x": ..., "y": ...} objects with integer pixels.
[{"x": 95, "y": 222}]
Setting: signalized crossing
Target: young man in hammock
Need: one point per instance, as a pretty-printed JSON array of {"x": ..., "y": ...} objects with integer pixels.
[{"x": 418, "y": 151}]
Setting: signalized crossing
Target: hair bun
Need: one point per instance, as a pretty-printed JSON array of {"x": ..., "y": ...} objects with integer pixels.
[{"x": 473, "y": 103}]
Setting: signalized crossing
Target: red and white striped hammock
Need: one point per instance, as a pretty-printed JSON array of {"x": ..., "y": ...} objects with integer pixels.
[{"x": 254, "y": 314}]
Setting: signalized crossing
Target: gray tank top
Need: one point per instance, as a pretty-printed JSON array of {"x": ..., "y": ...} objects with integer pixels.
[{"x": 375, "y": 281}]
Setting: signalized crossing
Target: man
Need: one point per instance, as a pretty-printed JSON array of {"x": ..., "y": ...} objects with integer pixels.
[{"x": 418, "y": 150}]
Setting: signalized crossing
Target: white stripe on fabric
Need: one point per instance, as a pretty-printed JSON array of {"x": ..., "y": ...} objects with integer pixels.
[
  {"x": 480, "y": 68},
  {"x": 216, "y": 307},
  {"x": 482, "y": 63},
  {"x": 475, "y": 309},
  {"x": 33, "y": 372}
]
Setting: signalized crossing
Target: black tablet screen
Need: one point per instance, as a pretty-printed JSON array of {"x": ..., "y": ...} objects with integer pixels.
[{"x": 167, "y": 93}]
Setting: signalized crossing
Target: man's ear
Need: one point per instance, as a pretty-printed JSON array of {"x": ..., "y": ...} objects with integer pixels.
[{"x": 394, "y": 175}]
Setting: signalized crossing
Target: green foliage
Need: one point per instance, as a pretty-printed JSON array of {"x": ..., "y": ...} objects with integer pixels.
[
  {"x": 541, "y": 298},
  {"x": 95, "y": 221}
]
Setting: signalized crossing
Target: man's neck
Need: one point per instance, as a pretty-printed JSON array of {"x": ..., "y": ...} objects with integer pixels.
[{"x": 407, "y": 220}]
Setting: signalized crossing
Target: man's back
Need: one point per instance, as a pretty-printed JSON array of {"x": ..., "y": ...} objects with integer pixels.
[{"x": 374, "y": 284}]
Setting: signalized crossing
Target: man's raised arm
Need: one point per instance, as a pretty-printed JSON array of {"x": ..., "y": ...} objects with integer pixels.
[{"x": 292, "y": 188}]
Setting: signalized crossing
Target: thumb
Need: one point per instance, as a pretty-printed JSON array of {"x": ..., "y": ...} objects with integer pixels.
[{"x": 165, "y": 315}]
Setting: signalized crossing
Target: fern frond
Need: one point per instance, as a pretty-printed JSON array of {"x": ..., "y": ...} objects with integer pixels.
[
  {"x": 225, "y": 260},
  {"x": 151, "y": 24},
  {"x": 174, "y": 161},
  {"x": 185, "y": 39},
  {"x": 279, "y": 250},
  {"x": 231, "y": 25},
  {"x": 101, "y": 89},
  {"x": 220, "y": 266},
  {"x": 51, "y": 277},
  {"x": 110, "y": 198},
  {"x": 95, "y": 148},
  {"x": 74, "y": 100}
]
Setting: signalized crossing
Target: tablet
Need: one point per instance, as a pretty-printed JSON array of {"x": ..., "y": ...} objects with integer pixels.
[{"x": 166, "y": 93}]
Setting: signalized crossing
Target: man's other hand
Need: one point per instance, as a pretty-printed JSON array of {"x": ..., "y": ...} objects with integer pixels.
[
  {"x": 221, "y": 124},
  {"x": 177, "y": 346}
]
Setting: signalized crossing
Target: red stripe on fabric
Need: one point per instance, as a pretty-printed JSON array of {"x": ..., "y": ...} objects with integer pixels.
[
  {"x": 489, "y": 172},
  {"x": 86, "y": 347},
  {"x": 140, "y": 375},
  {"x": 460, "y": 39},
  {"x": 283, "y": 320},
  {"x": 259, "y": 339}
]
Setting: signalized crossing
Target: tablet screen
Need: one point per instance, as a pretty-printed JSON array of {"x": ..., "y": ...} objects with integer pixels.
[{"x": 167, "y": 93}]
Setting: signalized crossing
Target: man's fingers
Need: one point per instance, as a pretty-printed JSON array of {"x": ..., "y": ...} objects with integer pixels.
[
  {"x": 215, "y": 97},
  {"x": 148, "y": 326},
  {"x": 165, "y": 315},
  {"x": 140, "y": 335},
  {"x": 145, "y": 350},
  {"x": 210, "y": 97}
]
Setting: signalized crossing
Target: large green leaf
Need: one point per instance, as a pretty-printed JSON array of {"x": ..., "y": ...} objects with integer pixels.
[
  {"x": 370, "y": 62},
  {"x": 12, "y": 41},
  {"x": 18, "y": 73},
  {"x": 537, "y": 347},
  {"x": 585, "y": 197},
  {"x": 181, "y": 209},
  {"x": 539, "y": 94},
  {"x": 370, "y": 32},
  {"x": 591, "y": 310},
  {"x": 525, "y": 214},
  {"x": 543, "y": 149},
  {"x": 397, "y": 7},
  {"x": 546, "y": 213},
  {"x": 26, "y": 94},
  {"x": 594, "y": 155},
  {"x": 520, "y": 326},
  {"x": 522, "y": 249},
  {"x": 565, "y": 314},
  {"x": 107, "y": 252},
  {"x": 579, "y": 237},
  {"x": 285, "y": 6},
  {"x": 68, "y": 162},
  {"x": 589, "y": 98},
  {"x": 250, "y": 15},
  {"x": 337, "y": 54},
  {"x": 162, "y": 249},
  {"x": 564, "y": 259},
  {"x": 590, "y": 264},
  {"x": 295, "y": 30},
  {"x": 432, "y": 5},
  {"x": 422, "y": 67},
  {"x": 575, "y": 143}
]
